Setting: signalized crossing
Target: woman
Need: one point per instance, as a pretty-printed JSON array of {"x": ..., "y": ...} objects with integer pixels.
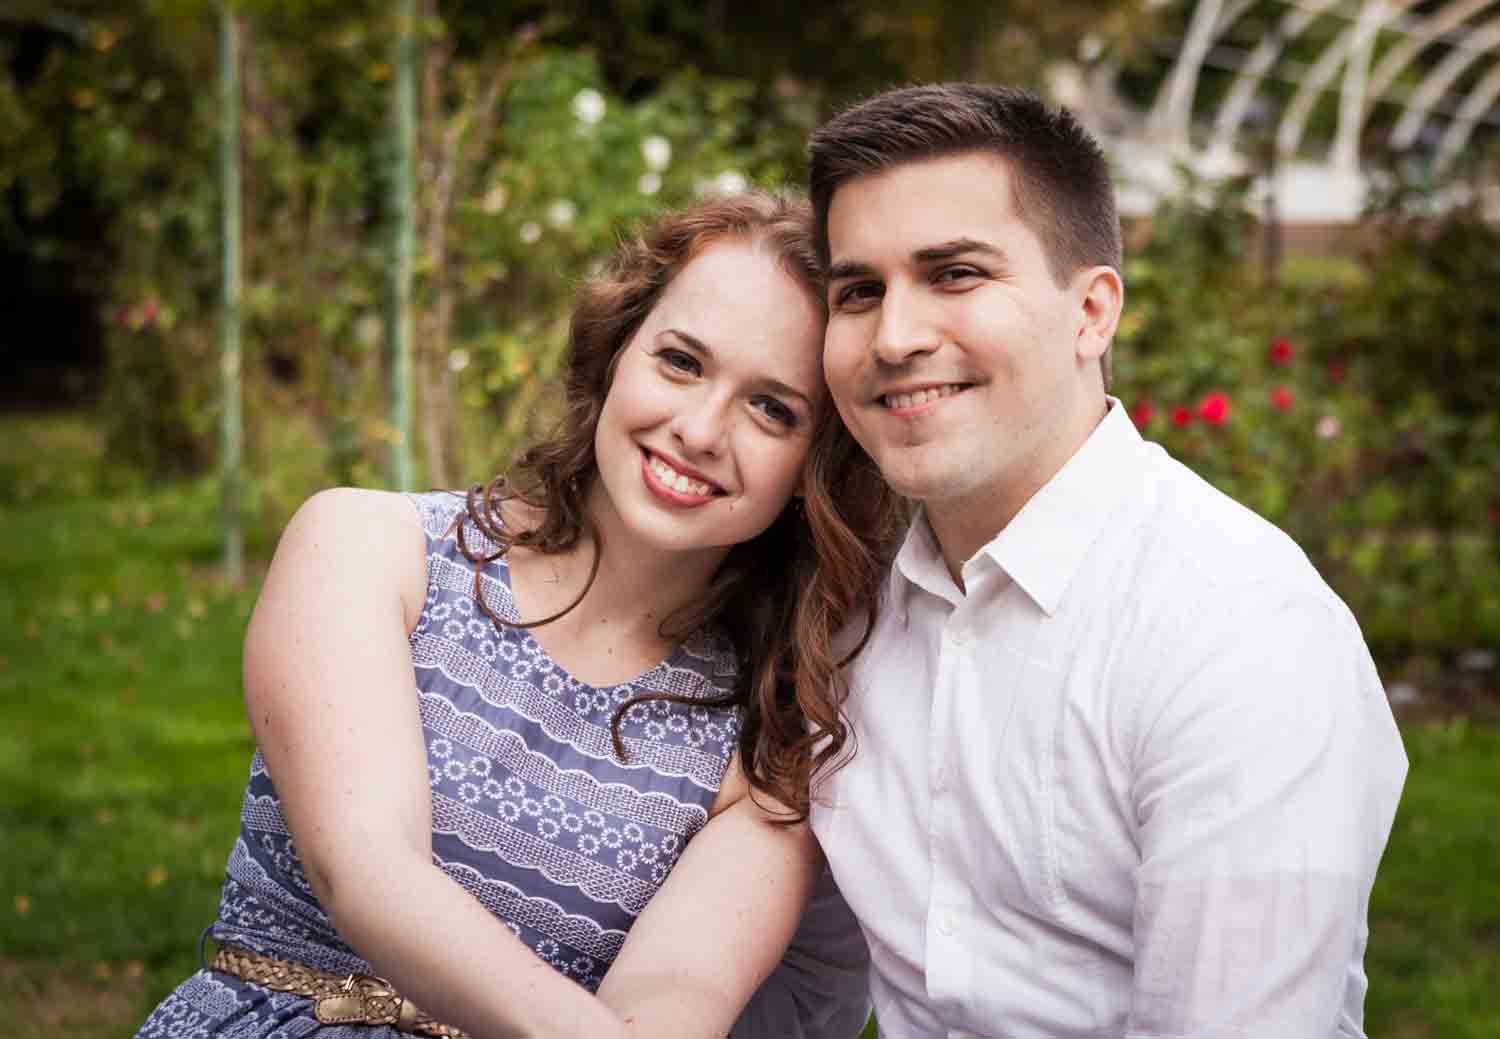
[{"x": 603, "y": 647}]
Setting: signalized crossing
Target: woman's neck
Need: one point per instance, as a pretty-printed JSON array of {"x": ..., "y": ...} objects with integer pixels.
[{"x": 615, "y": 630}]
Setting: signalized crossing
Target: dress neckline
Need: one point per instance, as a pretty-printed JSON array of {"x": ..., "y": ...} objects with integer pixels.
[{"x": 681, "y": 656}]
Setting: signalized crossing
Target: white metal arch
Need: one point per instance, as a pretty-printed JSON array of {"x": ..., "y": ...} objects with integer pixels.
[
  {"x": 1475, "y": 105},
  {"x": 1344, "y": 154},
  {"x": 1352, "y": 48},
  {"x": 1424, "y": 33},
  {"x": 1173, "y": 111},
  {"x": 1431, "y": 90},
  {"x": 1232, "y": 112},
  {"x": 1331, "y": 187}
]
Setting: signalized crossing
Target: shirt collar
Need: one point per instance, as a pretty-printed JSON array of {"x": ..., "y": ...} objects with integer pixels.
[
  {"x": 920, "y": 564},
  {"x": 1043, "y": 546}
]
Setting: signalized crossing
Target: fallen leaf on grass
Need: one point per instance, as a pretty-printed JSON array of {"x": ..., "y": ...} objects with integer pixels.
[
  {"x": 23, "y": 905},
  {"x": 104, "y": 817},
  {"x": 157, "y": 877}
]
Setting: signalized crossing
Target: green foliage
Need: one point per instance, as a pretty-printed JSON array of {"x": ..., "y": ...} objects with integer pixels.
[{"x": 1361, "y": 412}]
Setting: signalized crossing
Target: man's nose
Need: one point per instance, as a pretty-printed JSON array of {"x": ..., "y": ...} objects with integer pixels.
[{"x": 905, "y": 329}]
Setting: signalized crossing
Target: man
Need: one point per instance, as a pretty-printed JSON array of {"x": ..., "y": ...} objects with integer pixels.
[{"x": 1124, "y": 765}]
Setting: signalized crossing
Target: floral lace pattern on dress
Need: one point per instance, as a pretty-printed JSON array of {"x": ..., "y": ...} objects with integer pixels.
[{"x": 533, "y": 813}]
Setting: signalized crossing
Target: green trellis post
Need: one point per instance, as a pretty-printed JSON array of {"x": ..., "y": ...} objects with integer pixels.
[
  {"x": 232, "y": 423},
  {"x": 398, "y": 361}
]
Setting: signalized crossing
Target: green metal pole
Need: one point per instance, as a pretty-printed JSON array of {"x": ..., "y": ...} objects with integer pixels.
[
  {"x": 403, "y": 234},
  {"x": 232, "y": 429}
]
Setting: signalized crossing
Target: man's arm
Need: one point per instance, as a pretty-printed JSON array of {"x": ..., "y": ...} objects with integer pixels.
[{"x": 1267, "y": 773}]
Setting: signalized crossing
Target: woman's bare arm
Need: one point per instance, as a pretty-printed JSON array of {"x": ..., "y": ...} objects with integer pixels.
[
  {"x": 331, "y": 694},
  {"x": 718, "y": 925}
]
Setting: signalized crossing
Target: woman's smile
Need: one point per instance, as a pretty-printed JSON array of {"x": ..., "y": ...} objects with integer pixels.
[{"x": 670, "y": 483}]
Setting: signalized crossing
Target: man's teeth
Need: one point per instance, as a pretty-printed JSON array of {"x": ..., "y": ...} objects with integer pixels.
[
  {"x": 675, "y": 480},
  {"x": 901, "y": 401}
]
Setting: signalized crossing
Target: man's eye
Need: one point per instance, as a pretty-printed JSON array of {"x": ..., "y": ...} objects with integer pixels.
[
  {"x": 776, "y": 411},
  {"x": 679, "y": 360},
  {"x": 956, "y": 274},
  {"x": 857, "y": 294}
]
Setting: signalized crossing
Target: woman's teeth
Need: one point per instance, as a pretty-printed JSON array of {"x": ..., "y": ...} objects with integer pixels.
[
  {"x": 901, "y": 401},
  {"x": 675, "y": 480}
]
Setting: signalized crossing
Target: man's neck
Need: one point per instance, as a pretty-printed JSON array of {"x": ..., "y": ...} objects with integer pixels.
[{"x": 963, "y": 525}]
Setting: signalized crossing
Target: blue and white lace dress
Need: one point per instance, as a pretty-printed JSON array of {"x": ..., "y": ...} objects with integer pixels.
[{"x": 531, "y": 811}]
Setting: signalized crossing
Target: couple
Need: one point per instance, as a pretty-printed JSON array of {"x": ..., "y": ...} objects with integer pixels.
[{"x": 1090, "y": 749}]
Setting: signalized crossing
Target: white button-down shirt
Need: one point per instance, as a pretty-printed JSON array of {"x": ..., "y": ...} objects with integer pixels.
[{"x": 1132, "y": 781}]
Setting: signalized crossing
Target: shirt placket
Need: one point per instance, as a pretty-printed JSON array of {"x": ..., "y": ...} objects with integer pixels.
[{"x": 949, "y": 916}]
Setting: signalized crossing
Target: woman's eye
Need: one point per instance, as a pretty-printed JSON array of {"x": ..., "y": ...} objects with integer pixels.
[
  {"x": 679, "y": 360},
  {"x": 776, "y": 411}
]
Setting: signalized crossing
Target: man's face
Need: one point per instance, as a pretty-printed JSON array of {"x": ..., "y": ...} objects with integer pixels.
[{"x": 953, "y": 355}]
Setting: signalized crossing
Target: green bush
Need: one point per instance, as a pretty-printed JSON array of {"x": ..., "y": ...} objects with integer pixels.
[{"x": 1352, "y": 403}]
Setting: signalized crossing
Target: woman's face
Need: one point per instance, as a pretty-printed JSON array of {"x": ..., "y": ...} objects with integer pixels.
[{"x": 712, "y": 409}]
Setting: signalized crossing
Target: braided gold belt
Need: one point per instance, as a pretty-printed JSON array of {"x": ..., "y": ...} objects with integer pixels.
[{"x": 352, "y": 999}]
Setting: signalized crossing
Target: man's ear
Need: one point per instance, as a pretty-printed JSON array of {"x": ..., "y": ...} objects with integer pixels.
[{"x": 1101, "y": 295}]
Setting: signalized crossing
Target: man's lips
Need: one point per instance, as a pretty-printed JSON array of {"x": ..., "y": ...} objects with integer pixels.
[{"x": 911, "y": 398}]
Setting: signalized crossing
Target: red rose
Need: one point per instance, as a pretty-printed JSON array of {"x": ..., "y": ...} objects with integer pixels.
[
  {"x": 1281, "y": 398},
  {"x": 1181, "y": 417},
  {"x": 1281, "y": 350},
  {"x": 1142, "y": 413},
  {"x": 1214, "y": 409},
  {"x": 1336, "y": 371}
]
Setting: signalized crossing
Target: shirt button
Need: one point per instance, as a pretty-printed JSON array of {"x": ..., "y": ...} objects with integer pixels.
[
  {"x": 955, "y": 637},
  {"x": 940, "y": 779},
  {"x": 947, "y": 925}
]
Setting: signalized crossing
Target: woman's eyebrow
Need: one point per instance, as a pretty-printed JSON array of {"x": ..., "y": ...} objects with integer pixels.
[{"x": 764, "y": 381}]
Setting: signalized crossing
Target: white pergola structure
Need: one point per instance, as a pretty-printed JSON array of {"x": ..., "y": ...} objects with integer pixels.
[{"x": 1448, "y": 52}]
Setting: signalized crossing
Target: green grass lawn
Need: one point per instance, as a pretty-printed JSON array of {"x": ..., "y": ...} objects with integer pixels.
[{"x": 123, "y": 750}]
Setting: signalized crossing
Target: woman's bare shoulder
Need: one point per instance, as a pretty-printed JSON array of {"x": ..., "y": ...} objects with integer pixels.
[{"x": 361, "y": 539}]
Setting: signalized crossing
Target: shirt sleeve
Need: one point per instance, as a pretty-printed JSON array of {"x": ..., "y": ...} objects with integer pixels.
[
  {"x": 820, "y": 990},
  {"x": 1267, "y": 772}
]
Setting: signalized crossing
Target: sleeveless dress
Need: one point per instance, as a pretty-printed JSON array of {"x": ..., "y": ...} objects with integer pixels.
[{"x": 532, "y": 813}]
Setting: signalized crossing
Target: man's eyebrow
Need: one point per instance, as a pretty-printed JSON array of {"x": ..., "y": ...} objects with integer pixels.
[
  {"x": 957, "y": 247},
  {"x": 849, "y": 269},
  {"x": 846, "y": 269},
  {"x": 766, "y": 381}
]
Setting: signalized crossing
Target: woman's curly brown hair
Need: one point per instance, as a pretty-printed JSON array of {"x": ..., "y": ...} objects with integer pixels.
[{"x": 784, "y": 596}]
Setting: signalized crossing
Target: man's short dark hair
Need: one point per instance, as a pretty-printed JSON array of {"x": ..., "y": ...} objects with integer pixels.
[{"x": 1062, "y": 186}]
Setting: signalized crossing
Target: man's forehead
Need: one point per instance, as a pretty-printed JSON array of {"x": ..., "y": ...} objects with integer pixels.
[{"x": 919, "y": 206}]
